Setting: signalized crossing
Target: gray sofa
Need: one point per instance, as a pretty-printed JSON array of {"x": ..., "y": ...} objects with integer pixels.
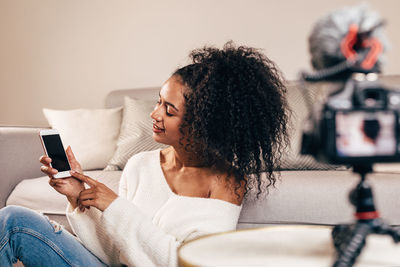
[{"x": 304, "y": 194}]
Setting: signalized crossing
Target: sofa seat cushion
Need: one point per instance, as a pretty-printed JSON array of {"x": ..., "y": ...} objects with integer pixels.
[
  {"x": 300, "y": 197},
  {"x": 38, "y": 195},
  {"x": 320, "y": 197}
]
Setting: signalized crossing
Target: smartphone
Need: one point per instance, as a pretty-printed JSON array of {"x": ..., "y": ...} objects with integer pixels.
[{"x": 53, "y": 147}]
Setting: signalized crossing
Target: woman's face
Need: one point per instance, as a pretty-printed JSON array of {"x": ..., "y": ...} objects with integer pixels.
[{"x": 168, "y": 113}]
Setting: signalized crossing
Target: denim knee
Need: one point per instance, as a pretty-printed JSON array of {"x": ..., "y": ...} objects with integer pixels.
[
  {"x": 21, "y": 217},
  {"x": 11, "y": 216}
]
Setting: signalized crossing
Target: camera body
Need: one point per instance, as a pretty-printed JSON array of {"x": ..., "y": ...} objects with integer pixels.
[{"x": 357, "y": 124}]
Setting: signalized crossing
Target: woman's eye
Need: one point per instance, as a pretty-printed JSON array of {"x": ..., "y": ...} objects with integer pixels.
[{"x": 166, "y": 108}]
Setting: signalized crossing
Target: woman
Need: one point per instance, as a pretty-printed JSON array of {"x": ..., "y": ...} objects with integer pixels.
[{"x": 224, "y": 117}]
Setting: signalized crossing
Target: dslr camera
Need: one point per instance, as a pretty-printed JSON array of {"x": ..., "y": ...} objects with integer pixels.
[{"x": 357, "y": 124}]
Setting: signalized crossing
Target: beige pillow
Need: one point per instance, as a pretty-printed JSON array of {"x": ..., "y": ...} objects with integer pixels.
[
  {"x": 136, "y": 132},
  {"x": 91, "y": 133}
]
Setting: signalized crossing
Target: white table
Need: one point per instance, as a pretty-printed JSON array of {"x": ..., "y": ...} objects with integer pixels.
[{"x": 292, "y": 246}]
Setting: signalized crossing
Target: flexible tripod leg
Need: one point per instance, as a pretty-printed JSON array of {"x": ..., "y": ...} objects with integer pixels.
[
  {"x": 349, "y": 240},
  {"x": 350, "y": 250},
  {"x": 379, "y": 227}
]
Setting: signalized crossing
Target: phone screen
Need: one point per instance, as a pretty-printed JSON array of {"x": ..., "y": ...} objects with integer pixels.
[{"x": 55, "y": 151}]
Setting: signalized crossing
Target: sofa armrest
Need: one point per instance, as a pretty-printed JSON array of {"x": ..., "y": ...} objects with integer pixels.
[{"x": 20, "y": 149}]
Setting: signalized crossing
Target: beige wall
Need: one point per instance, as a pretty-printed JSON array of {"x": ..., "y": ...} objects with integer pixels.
[{"x": 70, "y": 54}]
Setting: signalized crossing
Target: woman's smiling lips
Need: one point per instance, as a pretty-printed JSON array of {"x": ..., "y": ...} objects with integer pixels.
[{"x": 157, "y": 129}]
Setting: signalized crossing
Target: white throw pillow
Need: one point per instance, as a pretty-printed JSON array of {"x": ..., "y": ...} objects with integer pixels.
[
  {"x": 136, "y": 132},
  {"x": 91, "y": 133}
]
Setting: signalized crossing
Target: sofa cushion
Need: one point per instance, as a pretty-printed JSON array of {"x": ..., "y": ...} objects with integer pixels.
[
  {"x": 38, "y": 195},
  {"x": 304, "y": 197},
  {"x": 387, "y": 167},
  {"x": 91, "y": 133},
  {"x": 320, "y": 197},
  {"x": 292, "y": 159},
  {"x": 136, "y": 132}
]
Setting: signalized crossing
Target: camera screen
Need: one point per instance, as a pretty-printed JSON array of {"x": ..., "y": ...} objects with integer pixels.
[
  {"x": 55, "y": 151},
  {"x": 365, "y": 134}
]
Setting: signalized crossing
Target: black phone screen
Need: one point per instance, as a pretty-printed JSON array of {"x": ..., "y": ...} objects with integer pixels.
[{"x": 55, "y": 151}]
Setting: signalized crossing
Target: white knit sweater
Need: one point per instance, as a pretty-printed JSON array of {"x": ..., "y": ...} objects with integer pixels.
[{"x": 147, "y": 222}]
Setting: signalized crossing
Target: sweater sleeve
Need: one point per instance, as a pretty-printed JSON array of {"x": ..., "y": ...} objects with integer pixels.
[
  {"x": 86, "y": 226},
  {"x": 141, "y": 242}
]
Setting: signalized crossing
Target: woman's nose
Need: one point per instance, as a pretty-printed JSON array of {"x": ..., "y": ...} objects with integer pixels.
[{"x": 155, "y": 114}]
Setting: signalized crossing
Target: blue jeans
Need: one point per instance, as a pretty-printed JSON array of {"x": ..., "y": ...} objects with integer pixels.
[{"x": 33, "y": 239}]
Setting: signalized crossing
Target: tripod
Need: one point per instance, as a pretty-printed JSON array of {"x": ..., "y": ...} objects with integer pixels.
[{"x": 349, "y": 240}]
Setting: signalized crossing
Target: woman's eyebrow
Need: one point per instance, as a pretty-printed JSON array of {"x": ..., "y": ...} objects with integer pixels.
[{"x": 169, "y": 103}]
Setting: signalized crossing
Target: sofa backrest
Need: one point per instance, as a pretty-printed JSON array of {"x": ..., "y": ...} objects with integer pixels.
[{"x": 116, "y": 98}]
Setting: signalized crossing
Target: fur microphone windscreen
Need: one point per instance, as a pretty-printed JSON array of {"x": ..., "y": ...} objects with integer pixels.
[{"x": 328, "y": 33}]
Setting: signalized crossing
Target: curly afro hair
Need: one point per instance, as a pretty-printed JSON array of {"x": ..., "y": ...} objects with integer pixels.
[{"x": 235, "y": 113}]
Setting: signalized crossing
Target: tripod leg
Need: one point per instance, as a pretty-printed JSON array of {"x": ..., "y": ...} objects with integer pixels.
[
  {"x": 395, "y": 233},
  {"x": 349, "y": 253},
  {"x": 381, "y": 228},
  {"x": 341, "y": 234}
]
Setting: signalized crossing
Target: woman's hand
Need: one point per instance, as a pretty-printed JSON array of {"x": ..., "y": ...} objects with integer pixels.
[
  {"x": 70, "y": 187},
  {"x": 98, "y": 195}
]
